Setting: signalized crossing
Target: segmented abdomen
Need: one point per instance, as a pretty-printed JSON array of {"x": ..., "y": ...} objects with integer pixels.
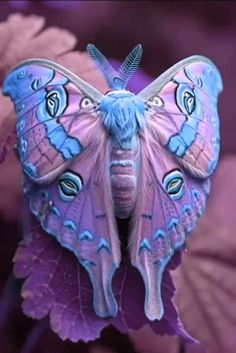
[{"x": 123, "y": 169}]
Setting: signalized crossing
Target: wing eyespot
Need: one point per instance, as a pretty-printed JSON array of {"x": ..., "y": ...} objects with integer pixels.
[
  {"x": 185, "y": 98},
  {"x": 70, "y": 184},
  {"x": 173, "y": 184},
  {"x": 52, "y": 103},
  {"x": 155, "y": 102},
  {"x": 189, "y": 102},
  {"x": 86, "y": 102}
]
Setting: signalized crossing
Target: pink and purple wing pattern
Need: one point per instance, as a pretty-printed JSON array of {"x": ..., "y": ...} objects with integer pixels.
[
  {"x": 184, "y": 113},
  {"x": 51, "y": 113},
  {"x": 63, "y": 151},
  {"x": 171, "y": 203},
  {"x": 76, "y": 209},
  {"x": 179, "y": 151}
]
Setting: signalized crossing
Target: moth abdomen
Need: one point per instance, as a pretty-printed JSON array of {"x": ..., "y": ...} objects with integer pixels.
[{"x": 123, "y": 181}]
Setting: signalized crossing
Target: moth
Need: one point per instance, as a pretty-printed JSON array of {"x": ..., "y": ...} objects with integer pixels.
[{"x": 89, "y": 158}]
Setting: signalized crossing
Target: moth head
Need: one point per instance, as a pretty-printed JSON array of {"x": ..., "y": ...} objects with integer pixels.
[{"x": 116, "y": 80}]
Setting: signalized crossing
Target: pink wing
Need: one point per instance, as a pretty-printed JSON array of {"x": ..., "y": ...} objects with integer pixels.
[
  {"x": 63, "y": 147},
  {"x": 77, "y": 210},
  {"x": 179, "y": 150},
  {"x": 183, "y": 113},
  {"x": 168, "y": 209},
  {"x": 56, "y": 120}
]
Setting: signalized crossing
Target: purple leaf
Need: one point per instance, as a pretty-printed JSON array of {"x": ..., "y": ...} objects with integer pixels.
[
  {"x": 57, "y": 285},
  {"x": 146, "y": 341},
  {"x": 206, "y": 280},
  {"x": 131, "y": 313}
]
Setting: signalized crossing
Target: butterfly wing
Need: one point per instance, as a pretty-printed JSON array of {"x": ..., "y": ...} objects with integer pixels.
[
  {"x": 64, "y": 153},
  {"x": 55, "y": 111},
  {"x": 183, "y": 112},
  {"x": 77, "y": 210},
  {"x": 179, "y": 150}
]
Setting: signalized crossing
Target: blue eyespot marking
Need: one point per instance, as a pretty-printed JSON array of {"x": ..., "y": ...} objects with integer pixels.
[
  {"x": 86, "y": 235},
  {"x": 155, "y": 102},
  {"x": 173, "y": 184},
  {"x": 86, "y": 102},
  {"x": 56, "y": 211},
  {"x": 70, "y": 184},
  {"x": 189, "y": 102},
  {"x": 103, "y": 244},
  {"x": 159, "y": 234},
  {"x": 176, "y": 232},
  {"x": 70, "y": 224},
  {"x": 185, "y": 98},
  {"x": 145, "y": 245},
  {"x": 52, "y": 103},
  {"x": 54, "y": 106},
  {"x": 174, "y": 223}
]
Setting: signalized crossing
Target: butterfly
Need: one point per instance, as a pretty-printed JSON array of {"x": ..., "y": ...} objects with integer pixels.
[{"x": 89, "y": 158}]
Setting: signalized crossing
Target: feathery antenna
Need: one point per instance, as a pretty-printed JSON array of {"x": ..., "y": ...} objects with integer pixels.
[
  {"x": 131, "y": 64},
  {"x": 116, "y": 80},
  {"x": 102, "y": 64}
]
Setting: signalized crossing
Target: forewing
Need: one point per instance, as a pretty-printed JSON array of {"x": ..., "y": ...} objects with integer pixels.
[
  {"x": 77, "y": 210},
  {"x": 183, "y": 113},
  {"x": 55, "y": 110}
]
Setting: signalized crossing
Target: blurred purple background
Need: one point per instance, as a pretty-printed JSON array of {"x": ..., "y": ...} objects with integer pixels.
[{"x": 169, "y": 31}]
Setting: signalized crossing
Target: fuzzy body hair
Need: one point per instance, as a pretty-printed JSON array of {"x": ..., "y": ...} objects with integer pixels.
[{"x": 123, "y": 115}]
